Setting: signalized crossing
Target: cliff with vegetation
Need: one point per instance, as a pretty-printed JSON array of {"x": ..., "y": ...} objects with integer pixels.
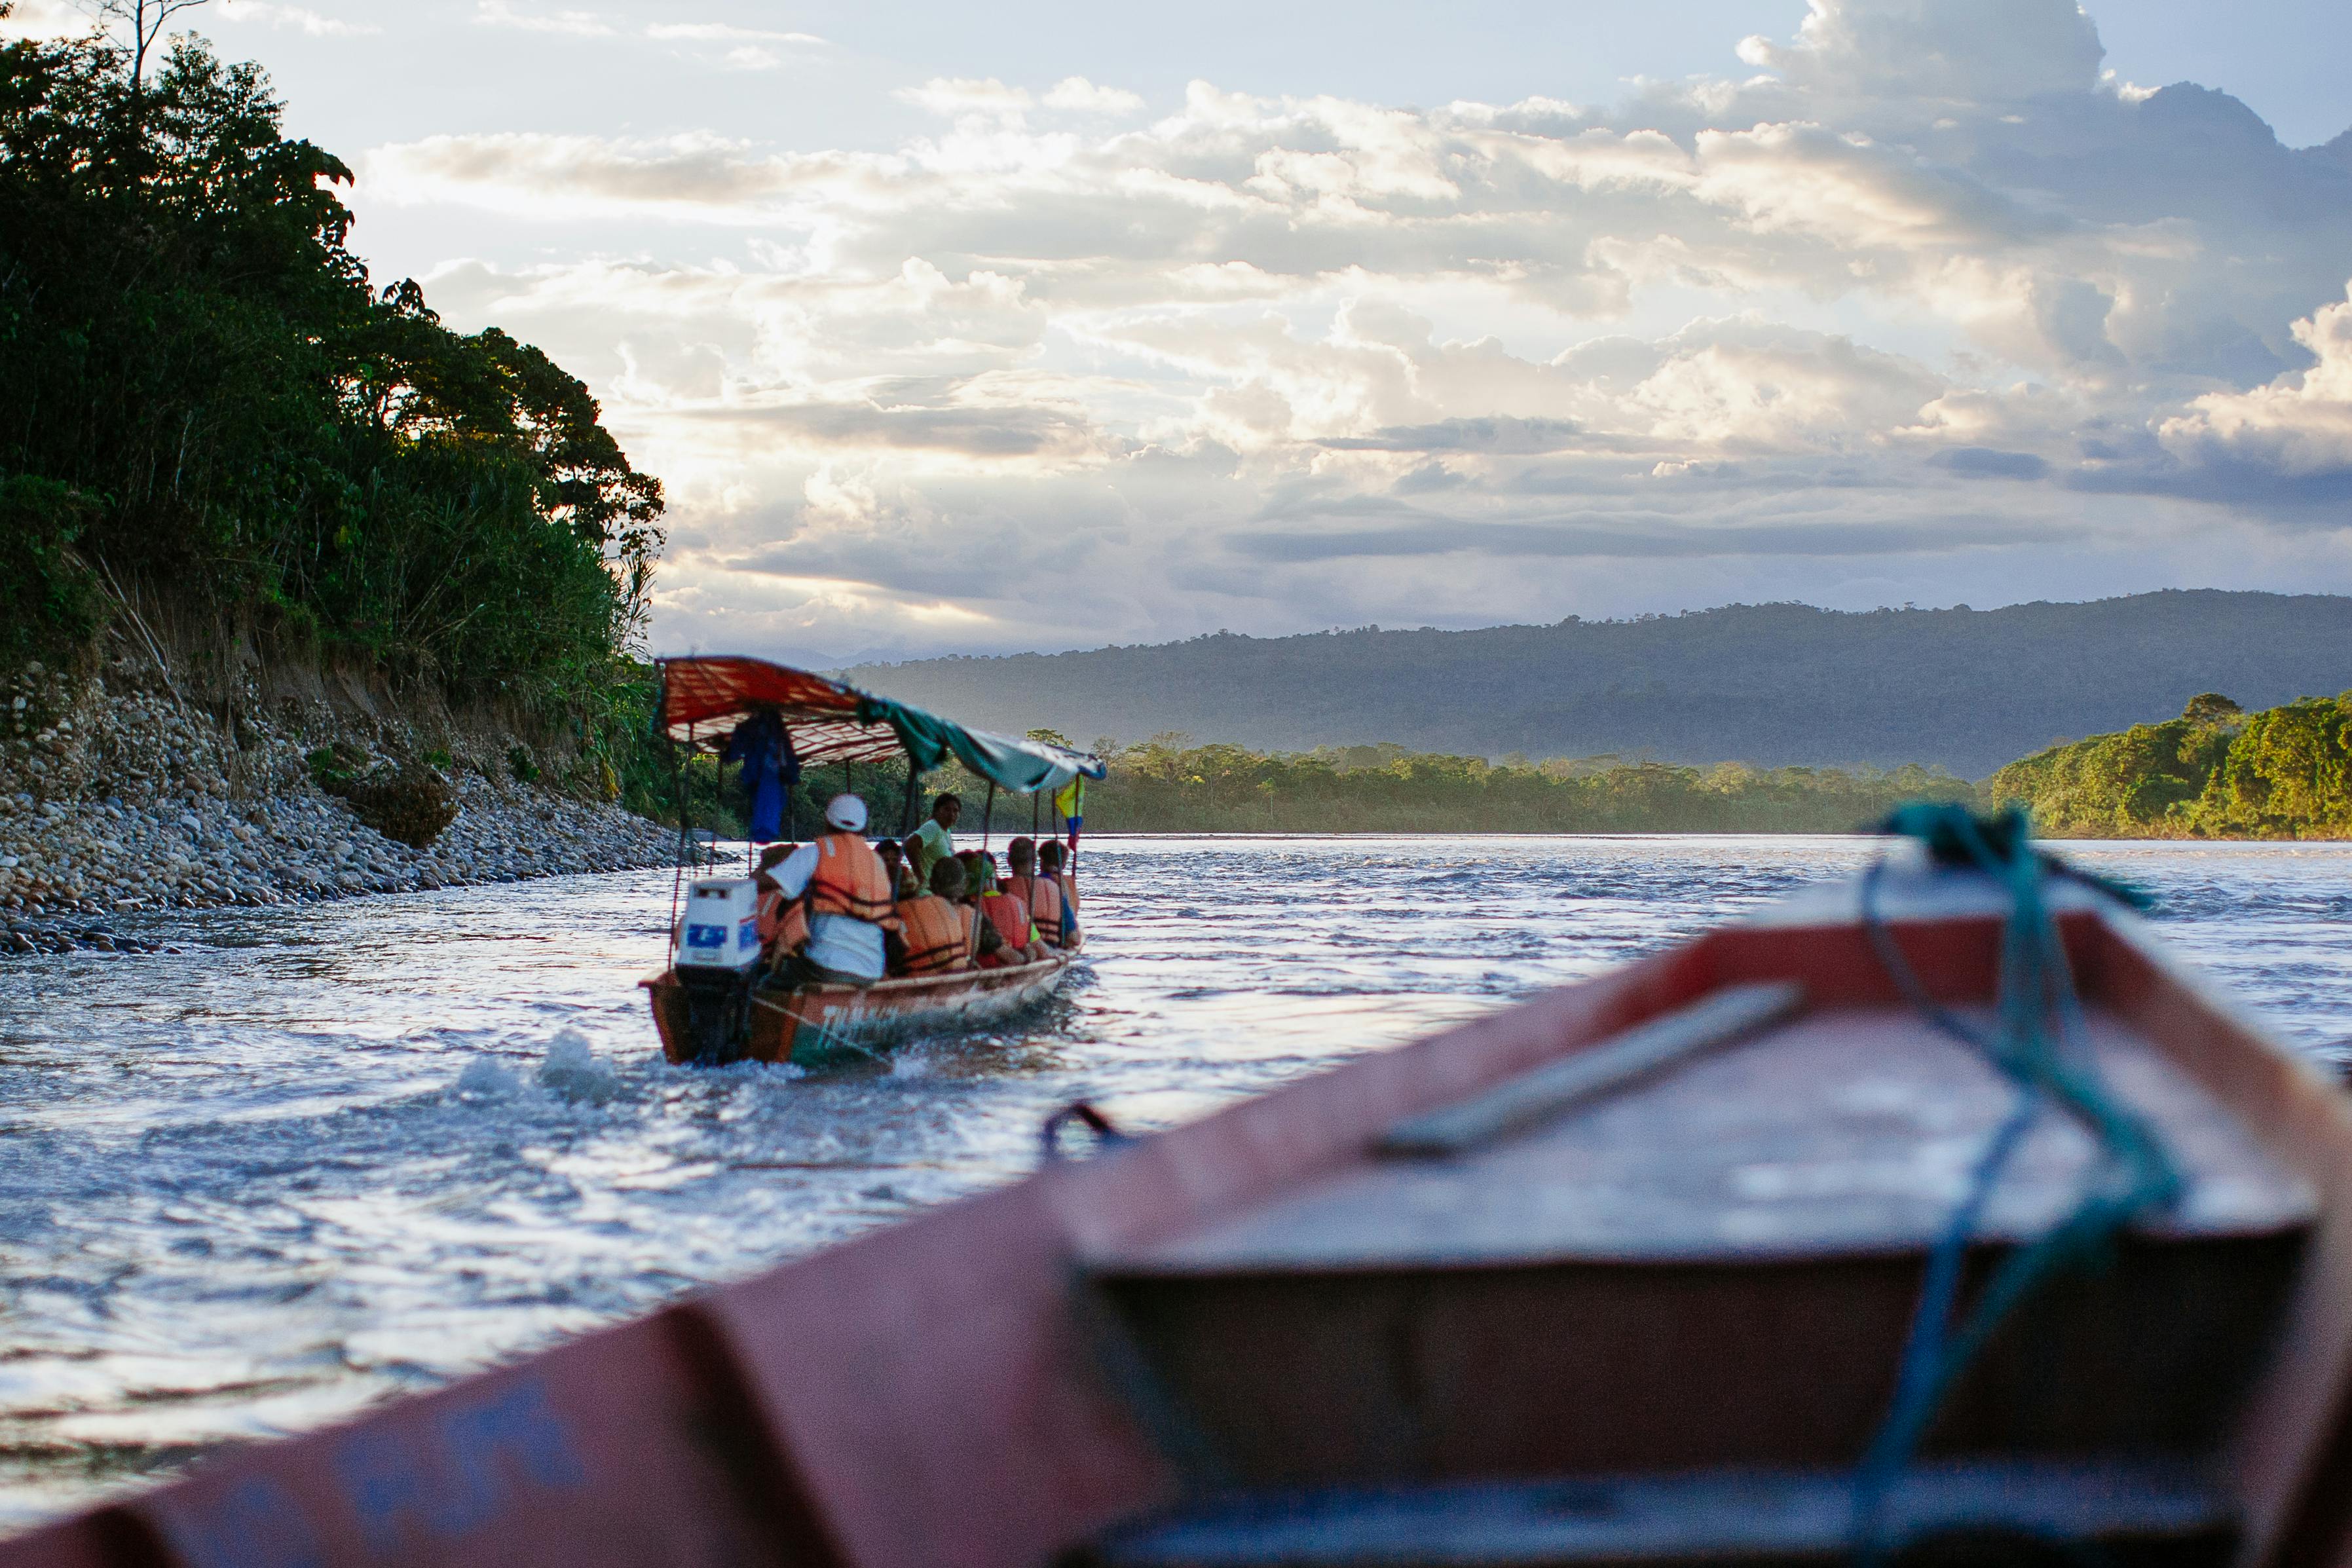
[
  {"x": 2216, "y": 772},
  {"x": 268, "y": 530}
]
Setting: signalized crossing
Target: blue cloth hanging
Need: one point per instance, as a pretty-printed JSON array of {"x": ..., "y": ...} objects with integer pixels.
[{"x": 764, "y": 746}]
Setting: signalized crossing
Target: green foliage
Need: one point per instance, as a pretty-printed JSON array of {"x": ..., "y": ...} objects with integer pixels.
[
  {"x": 2287, "y": 775},
  {"x": 2214, "y": 772},
  {"x": 336, "y": 769},
  {"x": 522, "y": 765},
  {"x": 1167, "y": 784},
  {"x": 50, "y": 605},
  {"x": 186, "y": 338}
]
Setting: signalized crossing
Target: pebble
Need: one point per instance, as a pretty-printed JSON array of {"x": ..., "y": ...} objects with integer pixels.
[{"x": 141, "y": 818}]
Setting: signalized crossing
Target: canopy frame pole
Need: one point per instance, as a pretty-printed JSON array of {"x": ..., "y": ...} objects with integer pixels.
[
  {"x": 906, "y": 802},
  {"x": 988, "y": 817},
  {"x": 678, "y": 876},
  {"x": 1033, "y": 809}
]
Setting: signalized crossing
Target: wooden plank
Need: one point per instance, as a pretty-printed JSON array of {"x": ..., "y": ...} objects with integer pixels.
[
  {"x": 2138, "y": 1510},
  {"x": 1847, "y": 1132},
  {"x": 1557, "y": 1087}
]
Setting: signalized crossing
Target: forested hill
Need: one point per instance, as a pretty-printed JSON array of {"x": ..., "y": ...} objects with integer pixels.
[
  {"x": 221, "y": 442},
  {"x": 1770, "y": 684}
]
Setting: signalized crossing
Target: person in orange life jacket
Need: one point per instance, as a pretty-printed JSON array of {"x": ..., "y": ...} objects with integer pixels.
[
  {"x": 902, "y": 875},
  {"x": 1049, "y": 865},
  {"x": 784, "y": 923},
  {"x": 1013, "y": 928},
  {"x": 903, "y": 887},
  {"x": 1041, "y": 896},
  {"x": 943, "y": 930},
  {"x": 847, "y": 895}
]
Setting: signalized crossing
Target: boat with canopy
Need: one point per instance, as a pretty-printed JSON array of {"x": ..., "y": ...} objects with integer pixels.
[{"x": 709, "y": 1004}]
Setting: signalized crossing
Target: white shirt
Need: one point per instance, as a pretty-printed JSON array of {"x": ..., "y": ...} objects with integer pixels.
[{"x": 839, "y": 943}]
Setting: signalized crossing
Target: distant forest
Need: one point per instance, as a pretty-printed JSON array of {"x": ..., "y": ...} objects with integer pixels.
[
  {"x": 1163, "y": 788},
  {"x": 1770, "y": 685}
]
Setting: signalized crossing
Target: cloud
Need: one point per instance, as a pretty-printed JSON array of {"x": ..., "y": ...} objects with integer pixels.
[
  {"x": 1987, "y": 462},
  {"x": 2298, "y": 427},
  {"x": 296, "y": 18},
  {"x": 1078, "y": 94},
  {"x": 724, "y": 33},
  {"x": 1991, "y": 51},
  {"x": 44, "y": 19},
  {"x": 1925, "y": 292},
  {"x": 578, "y": 24},
  {"x": 956, "y": 97},
  {"x": 732, "y": 47}
]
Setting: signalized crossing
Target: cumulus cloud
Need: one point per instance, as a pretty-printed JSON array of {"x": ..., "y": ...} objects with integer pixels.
[
  {"x": 2299, "y": 426},
  {"x": 1926, "y": 291},
  {"x": 1077, "y": 94},
  {"x": 1993, "y": 51}
]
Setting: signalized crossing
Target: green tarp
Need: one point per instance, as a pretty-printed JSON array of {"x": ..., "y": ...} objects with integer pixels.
[{"x": 1021, "y": 766}]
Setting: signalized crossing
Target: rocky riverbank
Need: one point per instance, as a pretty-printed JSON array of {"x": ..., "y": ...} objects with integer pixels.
[{"x": 117, "y": 796}]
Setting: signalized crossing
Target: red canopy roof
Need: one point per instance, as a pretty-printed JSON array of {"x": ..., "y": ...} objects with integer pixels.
[{"x": 706, "y": 698}]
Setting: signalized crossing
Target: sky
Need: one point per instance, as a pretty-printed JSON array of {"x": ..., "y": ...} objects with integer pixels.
[{"x": 1039, "y": 325}]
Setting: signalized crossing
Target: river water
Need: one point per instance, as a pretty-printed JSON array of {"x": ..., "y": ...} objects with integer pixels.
[{"x": 334, "y": 1152}]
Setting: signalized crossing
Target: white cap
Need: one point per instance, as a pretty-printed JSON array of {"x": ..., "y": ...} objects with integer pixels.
[{"x": 845, "y": 812}]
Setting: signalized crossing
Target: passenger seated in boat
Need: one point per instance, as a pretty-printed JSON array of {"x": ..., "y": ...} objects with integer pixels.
[
  {"x": 903, "y": 880},
  {"x": 934, "y": 841},
  {"x": 1041, "y": 896},
  {"x": 1050, "y": 861},
  {"x": 941, "y": 931},
  {"x": 784, "y": 924},
  {"x": 846, "y": 894},
  {"x": 1017, "y": 936}
]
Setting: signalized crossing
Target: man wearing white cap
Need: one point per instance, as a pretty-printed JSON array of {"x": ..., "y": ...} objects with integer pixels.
[{"x": 847, "y": 894}]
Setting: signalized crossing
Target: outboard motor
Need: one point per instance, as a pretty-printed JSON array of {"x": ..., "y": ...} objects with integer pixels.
[{"x": 717, "y": 960}]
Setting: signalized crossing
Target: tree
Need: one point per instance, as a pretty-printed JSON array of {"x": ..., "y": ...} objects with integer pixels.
[
  {"x": 260, "y": 435},
  {"x": 2212, "y": 707},
  {"x": 145, "y": 20}
]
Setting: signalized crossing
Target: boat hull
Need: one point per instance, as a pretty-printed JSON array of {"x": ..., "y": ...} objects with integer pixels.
[{"x": 823, "y": 1025}]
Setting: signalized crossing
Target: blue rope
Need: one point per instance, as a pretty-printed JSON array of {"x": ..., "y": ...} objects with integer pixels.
[{"x": 2132, "y": 1177}]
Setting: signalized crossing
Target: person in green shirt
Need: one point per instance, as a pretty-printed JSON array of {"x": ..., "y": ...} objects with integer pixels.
[{"x": 934, "y": 841}]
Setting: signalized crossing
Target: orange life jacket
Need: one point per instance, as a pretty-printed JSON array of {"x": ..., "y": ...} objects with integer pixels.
[
  {"x": 784, "y": 923},
  {"x": 1012, "y": 922},
  {"x": 850, "y": 879},
  {"x": 940, "y": 935},
  {"x": 1042, "y": 896}
]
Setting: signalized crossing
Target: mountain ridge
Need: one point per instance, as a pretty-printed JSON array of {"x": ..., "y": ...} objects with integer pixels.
[{"x": 1776, "y": 684}]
